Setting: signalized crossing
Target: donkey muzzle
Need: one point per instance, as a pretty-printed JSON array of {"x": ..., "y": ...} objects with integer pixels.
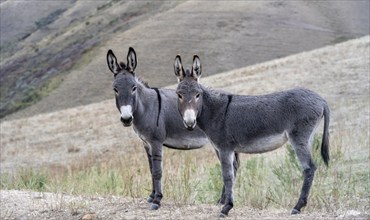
[
  {"x": 127, "y": 121},
  {"x": 189, "y": 119},
  {"x": 190, "y": 125},
  {"x": 126, "y": 115}
]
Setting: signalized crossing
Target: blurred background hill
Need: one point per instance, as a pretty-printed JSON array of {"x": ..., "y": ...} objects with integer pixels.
[{"x": 53, "y": 52}]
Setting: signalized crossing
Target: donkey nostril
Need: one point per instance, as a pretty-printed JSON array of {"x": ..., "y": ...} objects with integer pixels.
[
  {"x": 126, "y": 120},
  {"x": 190, "y": 124}
]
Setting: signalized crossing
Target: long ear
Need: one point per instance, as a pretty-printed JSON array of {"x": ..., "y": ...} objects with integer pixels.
[
  {"x": 112, "y": 62},
  {"x": 179, "y": 69},
  {"x": 131, "y": 60},
  {"x": 196, "y": 70}
]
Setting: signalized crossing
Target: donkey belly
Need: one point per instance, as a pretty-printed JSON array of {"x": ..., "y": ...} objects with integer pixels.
[
  {"x": 263, "y": 144},
  {"x": 185, "y": 143}
]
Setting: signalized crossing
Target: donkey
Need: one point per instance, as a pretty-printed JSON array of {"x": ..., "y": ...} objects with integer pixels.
[
  {"x": 253, "y": 124},
  {"x": 154, "y": 117}
]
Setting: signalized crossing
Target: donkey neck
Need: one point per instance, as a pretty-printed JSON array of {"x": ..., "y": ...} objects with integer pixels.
[
  {"x": 214, "y": 106},
  {"x": 146, "y": 101},
  {"x": 147, "y": 104}
]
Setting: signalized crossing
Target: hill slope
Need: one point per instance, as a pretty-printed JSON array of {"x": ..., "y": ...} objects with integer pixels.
[{"x": 60, "y": 56}]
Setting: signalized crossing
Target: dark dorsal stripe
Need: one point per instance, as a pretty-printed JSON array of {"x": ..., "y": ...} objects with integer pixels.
[
  {"x": 229, "y": 97},
  {"x": 159, "y": 103}
]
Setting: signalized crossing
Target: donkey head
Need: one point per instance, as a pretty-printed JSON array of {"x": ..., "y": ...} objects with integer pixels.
[
  {"x": 189, "y": 92},
  {"x": 124, "y": 85}
]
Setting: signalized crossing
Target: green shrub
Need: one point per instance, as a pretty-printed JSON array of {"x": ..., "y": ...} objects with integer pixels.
[
  {"x": 262, "y": 182},
  {"x": 45, "y": 21},
  {"x": 25, "y": 179}
]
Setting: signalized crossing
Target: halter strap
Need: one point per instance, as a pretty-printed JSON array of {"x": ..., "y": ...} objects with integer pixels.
[{"x": 159, "y": 103}]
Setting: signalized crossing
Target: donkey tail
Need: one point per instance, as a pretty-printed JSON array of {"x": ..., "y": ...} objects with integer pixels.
[{"x": 325, "y": 136}]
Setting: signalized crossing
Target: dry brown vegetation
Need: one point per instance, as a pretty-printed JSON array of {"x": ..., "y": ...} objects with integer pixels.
[{"x": 86, "y": 151}]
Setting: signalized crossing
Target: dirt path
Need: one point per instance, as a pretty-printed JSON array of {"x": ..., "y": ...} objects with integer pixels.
[{"x": 36, "y": 205}]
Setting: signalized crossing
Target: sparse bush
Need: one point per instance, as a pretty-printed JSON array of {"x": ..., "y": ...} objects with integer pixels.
[
  {"x": 25, "y": 179},
  {"x": 250, "y": 188},
  {"x": 45, "y": 21},
  {"x": 210, "y": 187},
  {"x": 276, "y": 183},
  {"x": 262, "y": 182}
]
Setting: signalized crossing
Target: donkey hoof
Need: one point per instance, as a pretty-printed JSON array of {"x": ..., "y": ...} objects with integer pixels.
[
  {"x": 295, "y": 211},
  {"x": 222, "y": 215},
  {"x": 150, "y": 199},
  {"x": 154, "y": 206}
]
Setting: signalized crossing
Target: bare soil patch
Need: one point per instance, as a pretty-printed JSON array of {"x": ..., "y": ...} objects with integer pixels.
[{"x": 36, "y": 205}]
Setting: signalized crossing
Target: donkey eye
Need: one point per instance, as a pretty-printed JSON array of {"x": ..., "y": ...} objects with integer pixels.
[
  {"x": 133, "y": 89},
  {"x": 197, "y": 96},
  {"x": 115, "y": 90},
  {"x": 179, "y": 96}
]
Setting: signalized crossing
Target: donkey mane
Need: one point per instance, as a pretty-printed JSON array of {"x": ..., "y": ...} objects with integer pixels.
[
  {"x": 143, "y": 82},
  {"x": 139, "y": 80},
  {"x": 188, "y": 72},
  {"x": 124, "y": 67},
  {"x": 216, "y": 92}
]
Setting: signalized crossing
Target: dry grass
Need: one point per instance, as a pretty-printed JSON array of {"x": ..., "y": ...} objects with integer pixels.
[
  {"x": 194, "y": 177},
  {"x": 39, "y": 153}
]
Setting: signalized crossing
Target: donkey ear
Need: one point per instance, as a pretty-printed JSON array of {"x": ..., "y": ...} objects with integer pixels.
[
  {"x": 179, "y": 69},
  {"x": 112, "y": 62},
  {"x": 196, "y": 70},
  {"x": 131, "y": 60}
]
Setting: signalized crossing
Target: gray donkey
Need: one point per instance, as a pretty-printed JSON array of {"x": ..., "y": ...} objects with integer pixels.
[
  {"x": 253, "y": 124},
  {"x": 154, "y": 117}
]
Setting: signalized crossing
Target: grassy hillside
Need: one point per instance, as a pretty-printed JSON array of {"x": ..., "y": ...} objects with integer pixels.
[
  {"x": 85, "y": 150},
  {"x": 54, "y": 54},
  {"x": 52, "y": 38}
]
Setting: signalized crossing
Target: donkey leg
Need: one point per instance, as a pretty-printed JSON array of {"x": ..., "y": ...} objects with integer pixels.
[
  {"x": 227, "y": 159},
  {"x": 304, "y": 155},
  {"x": 222, "y": 199},
  {"x": 149, "y": 155},
  {"x": 157, "y": 174},
  {"x": 236, "y": 163}
]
